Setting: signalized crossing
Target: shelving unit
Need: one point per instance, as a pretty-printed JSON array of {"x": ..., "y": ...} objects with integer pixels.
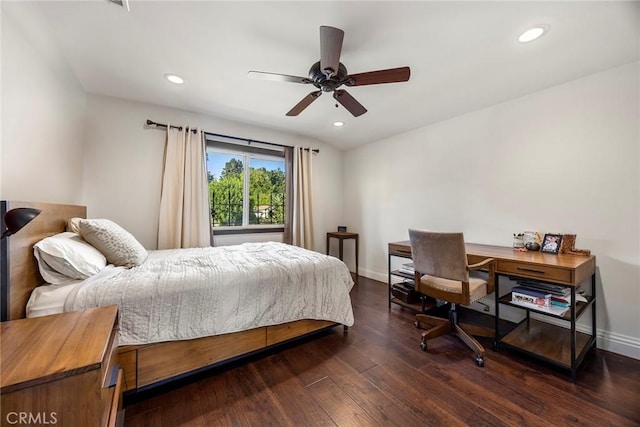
[
  {"x": 562, "y": 346},
  {"x": 426, "y": 302}
]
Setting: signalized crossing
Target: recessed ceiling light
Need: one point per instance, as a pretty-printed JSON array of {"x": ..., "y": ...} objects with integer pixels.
[
  {"x": 174, "y": 79},
  {"x": 533, "y": 33},
  {"x": 338, "y": 124}
]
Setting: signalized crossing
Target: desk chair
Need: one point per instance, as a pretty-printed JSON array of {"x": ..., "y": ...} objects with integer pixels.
[{"x": 442, "y": 272}]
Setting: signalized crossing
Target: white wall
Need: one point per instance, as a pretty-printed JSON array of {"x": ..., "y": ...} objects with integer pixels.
[
  {"x": 564, "y": 160},
  {"x": 43, "y": 109},
  {"x": 123, "y": 166}
]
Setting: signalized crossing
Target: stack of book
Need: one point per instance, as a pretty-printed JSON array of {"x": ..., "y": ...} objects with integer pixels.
[
  {"x": 547, "y": 297},
  {"x": 565, "y": 300}
]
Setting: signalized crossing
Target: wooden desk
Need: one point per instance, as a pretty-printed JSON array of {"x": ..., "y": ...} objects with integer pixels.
[
  {"x": 341, "y": 236},
  {"x": 563, "y": 347}
]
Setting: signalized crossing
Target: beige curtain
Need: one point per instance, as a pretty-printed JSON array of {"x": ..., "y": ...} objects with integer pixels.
[
  {"x": 287, "y": 235},
  {"x": 302, "y": 216},
  {"x": 184, "y": 202}
]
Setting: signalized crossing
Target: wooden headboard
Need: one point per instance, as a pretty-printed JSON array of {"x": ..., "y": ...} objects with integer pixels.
[{"x": 19, "y": 273}]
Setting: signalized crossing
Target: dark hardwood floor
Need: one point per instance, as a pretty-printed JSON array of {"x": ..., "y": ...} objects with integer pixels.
[{"x": 377, "y": 375}]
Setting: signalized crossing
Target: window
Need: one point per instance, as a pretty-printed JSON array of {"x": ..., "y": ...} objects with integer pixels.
[
  {"x": 226, "y": 188},
  {"x": 247, "y": 187},
  {"x": 266, "y": 191}
]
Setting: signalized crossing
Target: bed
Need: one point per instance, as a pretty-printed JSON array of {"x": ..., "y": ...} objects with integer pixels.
[{"x": 150, "y": 356}]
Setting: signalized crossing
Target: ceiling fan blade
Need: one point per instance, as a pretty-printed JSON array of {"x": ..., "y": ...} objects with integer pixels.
[
  {"x": 330, "y": 49},
  {"x": 261, "y": 75},
  {"x": 392, "y": 75},
  {"x": 349, "y": 102},
  {"x": 306, "y": 101}
]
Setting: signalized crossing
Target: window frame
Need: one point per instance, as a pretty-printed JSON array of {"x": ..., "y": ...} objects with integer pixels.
[{"x": 248, "y": 152}]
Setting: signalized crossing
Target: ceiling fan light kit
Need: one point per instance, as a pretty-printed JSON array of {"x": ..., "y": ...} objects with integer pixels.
[{"x": 329, "y": 74}]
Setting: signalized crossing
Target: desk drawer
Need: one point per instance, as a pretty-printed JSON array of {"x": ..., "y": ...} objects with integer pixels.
[
  {"x": 400, "y": 250},
  {"x": 540, "y": 272}
]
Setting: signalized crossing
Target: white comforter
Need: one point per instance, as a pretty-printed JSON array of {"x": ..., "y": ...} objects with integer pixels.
[{"x": 190, "y": 293}]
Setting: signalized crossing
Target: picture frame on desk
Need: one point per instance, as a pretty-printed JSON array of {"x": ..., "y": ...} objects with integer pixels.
[{"x": 551, "y": 243}]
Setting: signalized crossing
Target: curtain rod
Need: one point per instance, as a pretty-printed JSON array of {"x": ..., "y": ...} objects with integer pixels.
[{"x": 249, "y": 141}]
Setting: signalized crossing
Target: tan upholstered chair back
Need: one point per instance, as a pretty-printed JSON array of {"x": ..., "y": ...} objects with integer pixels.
[{"x": 439, "y": 254}]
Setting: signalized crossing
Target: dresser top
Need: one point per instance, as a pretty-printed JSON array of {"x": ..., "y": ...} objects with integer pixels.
[{"x": 43, "y": 349}]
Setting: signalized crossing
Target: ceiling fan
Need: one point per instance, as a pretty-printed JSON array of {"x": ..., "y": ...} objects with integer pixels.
[{"x": 329, "y": 74}]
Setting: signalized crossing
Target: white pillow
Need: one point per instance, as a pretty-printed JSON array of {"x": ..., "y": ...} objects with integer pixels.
[
  {"x": 46, "y": 300},
  {"x": 117, "y": 244},
  {"x": 66, "y": 256}
]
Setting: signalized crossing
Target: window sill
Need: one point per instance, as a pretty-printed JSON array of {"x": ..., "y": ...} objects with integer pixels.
[{"x": 230, "y": 231}]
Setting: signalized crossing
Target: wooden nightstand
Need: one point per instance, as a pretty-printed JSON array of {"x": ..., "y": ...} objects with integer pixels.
[
  {"x": 62, "y": 370},
  {"x": 342, "y": 236}
]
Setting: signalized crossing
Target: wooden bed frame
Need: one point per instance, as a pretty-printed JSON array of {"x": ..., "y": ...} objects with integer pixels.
[{"x": 144, "y": 365}]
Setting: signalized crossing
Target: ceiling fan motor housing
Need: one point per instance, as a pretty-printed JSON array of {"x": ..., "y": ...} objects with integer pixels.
[{"x": 325, "y": 83}]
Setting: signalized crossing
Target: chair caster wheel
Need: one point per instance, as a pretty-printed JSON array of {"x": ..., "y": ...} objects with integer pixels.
[
  {"x": 480, "y": 361},
  {"x": 496, "y": 347},
  {"x": 417, "y": 324},
  {"x": 423, "y": 346}
]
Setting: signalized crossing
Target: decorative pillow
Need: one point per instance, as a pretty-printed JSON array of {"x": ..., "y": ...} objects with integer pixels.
[
  {"x": 72, "y": 225},
  {"x": 116, "y": 244},
  {"x": 66, "y": 256}
]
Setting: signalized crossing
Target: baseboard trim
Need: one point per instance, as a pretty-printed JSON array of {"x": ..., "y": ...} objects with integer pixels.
[
  {"x": 380, "y": 277},
  {"x": 619, "y": 344}
]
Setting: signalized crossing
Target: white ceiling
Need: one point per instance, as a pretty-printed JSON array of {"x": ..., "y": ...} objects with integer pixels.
[{"x": 463, "y": 55}]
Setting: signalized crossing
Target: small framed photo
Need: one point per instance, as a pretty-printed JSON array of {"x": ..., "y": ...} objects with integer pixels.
[
  {"x": 342, "y": 228},
  {"x": 551, "y": 243}
]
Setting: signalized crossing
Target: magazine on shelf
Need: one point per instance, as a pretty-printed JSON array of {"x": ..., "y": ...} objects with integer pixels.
[
  {"x": 544, "y": 294},
  {"x": 545, "y": 287},
  {"x": 551, "y": 309},
  {"x": 567, "y": 299},
  {"x": 560, "y": 303},
  {"x": 407, "y": 268},
  {"x": 532, "y": 292}
]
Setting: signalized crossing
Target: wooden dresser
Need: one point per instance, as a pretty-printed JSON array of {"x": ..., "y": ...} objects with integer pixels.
[{"x": 61, "y": 370}]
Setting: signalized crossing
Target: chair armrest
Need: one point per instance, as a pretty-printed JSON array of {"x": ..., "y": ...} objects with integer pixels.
[
  {"x": 490, "y": 265},
  {"x": 481, "y": 264}
]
